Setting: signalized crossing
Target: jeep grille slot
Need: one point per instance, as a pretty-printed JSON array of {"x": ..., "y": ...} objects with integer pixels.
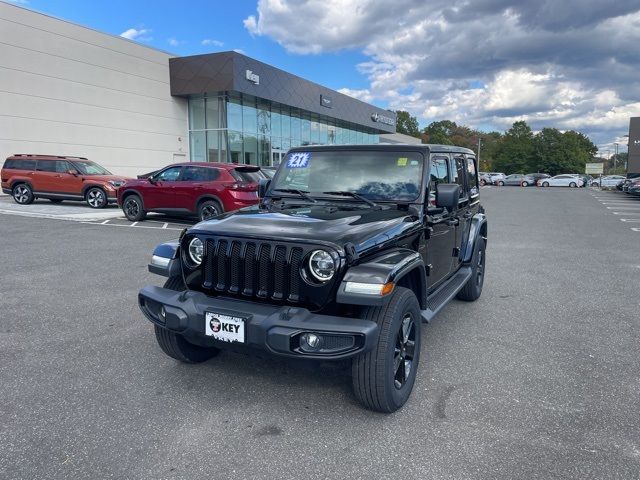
[{"x": 253, "y": 269}]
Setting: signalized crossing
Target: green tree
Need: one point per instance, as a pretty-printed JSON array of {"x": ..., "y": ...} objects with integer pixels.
[
  {"x": 407, "y": 124},
  {"x": 439, "y": 133},
  {"x": 514, "y": 152},
  {"x": 557, "y": 152}
]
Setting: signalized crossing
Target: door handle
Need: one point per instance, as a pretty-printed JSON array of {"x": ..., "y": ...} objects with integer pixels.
[{"x": 453, "y": 222}]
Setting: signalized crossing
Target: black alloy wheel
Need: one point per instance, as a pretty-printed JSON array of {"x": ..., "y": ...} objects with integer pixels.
[
  {"x": 96, "y": 198},
  {"x": 132, "y": 208},
  {"x": 404, "y": 351},
  {"x": 473, "y": 288},
  {"x": 22, "y": 194},
  {"x": 209, "y": 209}
]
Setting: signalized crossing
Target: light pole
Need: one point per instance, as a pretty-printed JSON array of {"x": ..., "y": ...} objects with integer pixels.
[
  {"x": 615, "y": 158},
  {"x": 479, "y": 143}
]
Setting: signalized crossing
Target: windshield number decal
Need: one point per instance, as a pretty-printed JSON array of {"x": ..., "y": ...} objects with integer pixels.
[{"x": 298, "y": 160}]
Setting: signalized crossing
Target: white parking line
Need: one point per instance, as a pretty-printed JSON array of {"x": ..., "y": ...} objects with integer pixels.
[
  {"x": 620, "y": 207},
  {"x": 636, "y": 229},
  {"x": 127, "y": 226},
  {"x": 165, "y": 225},
  {"x": 631, "y": 220},
  {"x": 133, "y": 224},
  {"x": 626, "y": 213},
  {"x": 105, "y": 222}
]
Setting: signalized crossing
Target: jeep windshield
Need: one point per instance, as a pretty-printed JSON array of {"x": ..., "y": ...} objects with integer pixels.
[
  {"x": 91, "y": 168},
  {"x": 374, "y": 175}
]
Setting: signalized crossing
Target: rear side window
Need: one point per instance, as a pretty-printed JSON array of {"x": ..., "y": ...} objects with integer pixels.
[
  {"x": 199, "y": 174},
  {"x": 19, "y": 164},
  {"x": 247, "y": 174},
  {"x": 46, "y": 166}
]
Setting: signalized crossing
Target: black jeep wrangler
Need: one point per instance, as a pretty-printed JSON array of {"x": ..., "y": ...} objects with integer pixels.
[{"x": 349, "y": 250}]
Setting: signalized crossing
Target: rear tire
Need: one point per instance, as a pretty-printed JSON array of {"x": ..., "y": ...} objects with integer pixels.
[
  {"x": 573, "y": 185},
  {"x": 174, "y": 344},
  {"x": 525, "y": 184},
  {"x": 383, "y": 377},
  {"x": 501, "y": 183},
  {"x": 545, "y": 184},
  {"x": 132, "y": 208},
  {"x": 209, "y": 209},
  {"x": 473, "y": 288},
  {"x": 22, "y": 194}
]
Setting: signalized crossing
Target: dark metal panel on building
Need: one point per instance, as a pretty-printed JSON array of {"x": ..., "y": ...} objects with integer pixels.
[
  {"x": 231, "y": 71},
  {"x": 633, "y": 163}
]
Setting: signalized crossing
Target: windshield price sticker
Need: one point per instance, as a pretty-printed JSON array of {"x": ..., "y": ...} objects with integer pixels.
[
  {"x": 298, "y": 160},
  {"x": 402, "y": 161}
]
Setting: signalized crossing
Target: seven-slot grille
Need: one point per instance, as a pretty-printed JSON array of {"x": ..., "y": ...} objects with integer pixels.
[{"x": 253, "y": 269}]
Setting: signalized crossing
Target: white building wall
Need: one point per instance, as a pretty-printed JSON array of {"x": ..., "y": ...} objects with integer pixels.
[{"x": 70, "y": 90}]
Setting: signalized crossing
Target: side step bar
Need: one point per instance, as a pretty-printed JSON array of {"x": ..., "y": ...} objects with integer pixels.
[{"x": 438, "y": 299}]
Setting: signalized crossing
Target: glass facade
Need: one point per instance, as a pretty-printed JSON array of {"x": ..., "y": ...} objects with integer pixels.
[{"x": 253, "y": 131}]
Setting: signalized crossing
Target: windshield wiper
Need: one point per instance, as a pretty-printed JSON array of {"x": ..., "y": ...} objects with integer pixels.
[
  {"x": 302, "y": 193},
  {"x": 346, "y": 193}
]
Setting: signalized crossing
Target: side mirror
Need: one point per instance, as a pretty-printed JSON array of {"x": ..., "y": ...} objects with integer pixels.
[
  {"x": 263, "y": 186},
  {"x": 447, "y": 195},
  {"x": 73, "y": 171},
  {"x": 152, "y": 180}
]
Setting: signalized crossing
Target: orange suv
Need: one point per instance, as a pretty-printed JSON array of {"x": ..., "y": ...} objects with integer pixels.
[{"x": 27, "y": 177}]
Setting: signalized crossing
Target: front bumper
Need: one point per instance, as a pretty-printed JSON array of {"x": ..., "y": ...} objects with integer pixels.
[{"x": 273, "y": 328}]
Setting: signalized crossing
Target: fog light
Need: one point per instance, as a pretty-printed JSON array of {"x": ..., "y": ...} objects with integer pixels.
[{"x": 310, "y": 342}]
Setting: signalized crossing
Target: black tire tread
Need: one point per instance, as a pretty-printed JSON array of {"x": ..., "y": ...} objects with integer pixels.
[
  {"x": 175, "y": 345},
  {"x": 368, "y": 370},
  {"x": 468, "y": 293}
]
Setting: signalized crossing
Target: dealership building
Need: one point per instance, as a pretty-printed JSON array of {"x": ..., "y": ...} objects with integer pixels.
[{"x": 70, "y": 90}]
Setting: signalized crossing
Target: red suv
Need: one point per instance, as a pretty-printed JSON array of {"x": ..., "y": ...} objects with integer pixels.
[
  {"x": 202, "y": 189},
  {"x": 27, "y": 177}
]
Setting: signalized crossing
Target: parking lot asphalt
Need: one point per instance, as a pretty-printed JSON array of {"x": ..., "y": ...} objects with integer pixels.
[{"x": 538, "y": 379}]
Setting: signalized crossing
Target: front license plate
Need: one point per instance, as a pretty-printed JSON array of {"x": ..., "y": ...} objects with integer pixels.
[{"x": 224, "y": 327}]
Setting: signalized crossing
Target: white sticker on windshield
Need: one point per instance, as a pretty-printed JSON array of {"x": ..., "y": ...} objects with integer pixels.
[{"x": 298, "y": 160}]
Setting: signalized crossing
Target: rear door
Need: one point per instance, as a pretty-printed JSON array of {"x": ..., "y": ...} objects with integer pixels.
[
  {"x": 46, "y": 178},
  {"x": 464, "y": 173},
  {"x": 194, "y": 182},
  {"x": 439, "y": 222}
]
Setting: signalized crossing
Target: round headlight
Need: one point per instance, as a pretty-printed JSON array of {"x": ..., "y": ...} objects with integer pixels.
[
  {"x": 321, "y": 265},
  {"x": 196, "y": 251}
]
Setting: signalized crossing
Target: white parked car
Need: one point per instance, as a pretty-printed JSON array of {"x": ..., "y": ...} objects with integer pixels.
[
  {"x": 561, "y": 181},
  {"x": 608, "y": 181},
  {"x": 495, "y": 176}
]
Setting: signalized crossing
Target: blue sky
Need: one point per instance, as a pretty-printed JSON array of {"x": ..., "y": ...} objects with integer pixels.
[
  {"x": 189, "y": 23},
  {"x": 485, "y": 64}
]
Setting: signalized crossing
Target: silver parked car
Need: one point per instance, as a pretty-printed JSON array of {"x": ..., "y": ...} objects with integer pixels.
[
  {"x": 561, "y": 181},
  {"x": 608, "y": 181},
  {"x": 517, "y": 179}
]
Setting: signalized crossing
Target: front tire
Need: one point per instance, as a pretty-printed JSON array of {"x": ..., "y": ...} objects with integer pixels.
[
  {"x": 573, "y": 185},
  {"x": 133, "y": 209},
  {"x": 174, "y": 344},
  {"x": 473, "y": 288},
  {"x": 545, "y": 184},
  {"x": 22, "y": 194},
  {"x": 383, "y": 378},
  {"x": 96, "y": 198},
  {"x": 501, "y": 183},
  {"x": 525, "y": 184}
]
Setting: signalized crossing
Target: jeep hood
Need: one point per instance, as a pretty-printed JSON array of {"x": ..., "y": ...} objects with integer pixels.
[{"x": 363, "y": 227}]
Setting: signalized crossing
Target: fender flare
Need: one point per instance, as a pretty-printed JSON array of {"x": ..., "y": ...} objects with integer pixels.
[
  {"x": 86, "y": 188},
  {"x": 131, "y": 191},
  {"x": 165, "y": 260},
  {"x": 20, "y": 180},
  {"x": 478, "y": 228},
  {"x": 391, "y": 266}
]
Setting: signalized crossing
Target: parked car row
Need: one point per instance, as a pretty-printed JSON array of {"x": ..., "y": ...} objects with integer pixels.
[
  {"x": 195, "y": 189},
  {"x": 573, "y": 180}
]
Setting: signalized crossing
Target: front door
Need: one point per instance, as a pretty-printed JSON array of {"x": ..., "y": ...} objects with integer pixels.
[
  {"x": 159, "y": 193},
  {"x": 440, "y": 222}
]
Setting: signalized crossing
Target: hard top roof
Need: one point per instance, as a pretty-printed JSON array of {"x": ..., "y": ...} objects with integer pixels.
[{"x": 418, "y": 147}]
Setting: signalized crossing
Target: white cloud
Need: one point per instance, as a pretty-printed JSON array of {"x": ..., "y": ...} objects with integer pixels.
[
  {"x": 141, "y": 34},
  {"x": 563, "y": 64},
  {"x": 212, "y": 43},
  {"x": 175, "y": 42}
]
